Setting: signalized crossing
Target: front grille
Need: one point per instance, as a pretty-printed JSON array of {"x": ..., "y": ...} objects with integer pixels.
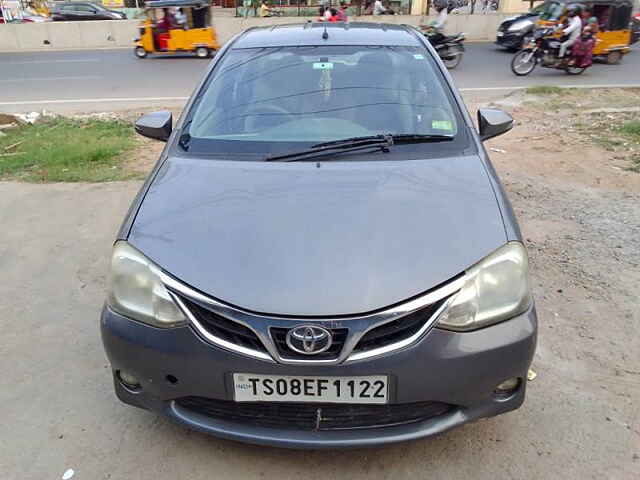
[
  {"x": 305, "y": 416},
  {"x": 223, "y": 328},
  {"x": 397, "y": 330},
  {"x": 338, "y": 335}
]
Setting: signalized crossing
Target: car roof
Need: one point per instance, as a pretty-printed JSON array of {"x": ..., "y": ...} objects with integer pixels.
[
  {"x": 177, "y": 3},
  {"x": 339, "y": 33}
]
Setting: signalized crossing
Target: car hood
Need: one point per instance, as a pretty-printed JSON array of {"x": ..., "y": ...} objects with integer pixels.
[
  {"x": 317, "y": 239},
  {"x": 507, "y": 22}
]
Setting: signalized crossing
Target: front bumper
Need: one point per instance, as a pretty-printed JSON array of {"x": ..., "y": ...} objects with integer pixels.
[
  {"x": 461, "y": 369},
  {"x": 510, "y": 40}
]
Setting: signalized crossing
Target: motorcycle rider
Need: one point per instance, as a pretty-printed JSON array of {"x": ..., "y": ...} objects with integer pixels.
[
  {"x": 437, "y": 26},
  {"x": 582, "y": 51},
  {"x": 573, "y": 30}
]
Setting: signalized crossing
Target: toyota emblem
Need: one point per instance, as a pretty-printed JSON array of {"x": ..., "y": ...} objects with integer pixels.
[{"x": 309, "y": 339}]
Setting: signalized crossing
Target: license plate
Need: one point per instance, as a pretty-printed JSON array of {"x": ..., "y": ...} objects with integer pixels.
[
  {"x": 499, "y": 34},
  {"x": 250, "y": 387}
]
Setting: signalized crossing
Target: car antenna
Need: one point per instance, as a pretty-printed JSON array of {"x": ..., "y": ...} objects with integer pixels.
[{"x": 325, "y": 35}]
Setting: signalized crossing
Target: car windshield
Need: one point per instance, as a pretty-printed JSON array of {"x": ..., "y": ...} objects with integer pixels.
[
  {"x": 290, "y": 96},
  {"x": 551, "y": 10},
  {"x": 538, "y": 9}
]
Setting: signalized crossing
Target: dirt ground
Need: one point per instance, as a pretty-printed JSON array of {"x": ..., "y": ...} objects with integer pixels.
[{"x": 579, "y": 209}]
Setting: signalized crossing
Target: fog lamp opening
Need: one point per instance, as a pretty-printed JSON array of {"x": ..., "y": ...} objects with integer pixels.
[
  {"x": 507, "y": 387},
  {"x": 128, "y": 379}
]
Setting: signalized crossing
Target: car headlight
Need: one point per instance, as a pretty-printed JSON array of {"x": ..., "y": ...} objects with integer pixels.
[
  {"x": 520, "y": 25},
  {"x": 137, "y": 291},
  {"x": 495, "y": 289}
]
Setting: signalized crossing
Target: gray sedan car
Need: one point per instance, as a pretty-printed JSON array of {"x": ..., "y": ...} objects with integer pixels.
[{"x": 323, "y": 255}]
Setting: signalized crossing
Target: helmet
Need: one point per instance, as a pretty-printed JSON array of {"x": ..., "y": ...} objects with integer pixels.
[
  {"x": 440, "y": 4},
  {"x": 574, "y": 9}
]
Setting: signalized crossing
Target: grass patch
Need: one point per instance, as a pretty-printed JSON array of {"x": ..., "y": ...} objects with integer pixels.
[
  {"x": 631, "y": 129},
  {"x": 66, "y": 150},
  {"x": 609, "y": 144},
  {"x": 545, "y": 90}
]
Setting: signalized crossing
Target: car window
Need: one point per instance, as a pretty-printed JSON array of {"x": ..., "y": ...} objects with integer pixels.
[
  {"x": 538, "y": 9},
  {"x": 316, "y": 94},
  {"x": 84, "y": 8},
  {"x": 551, "y": 10}
]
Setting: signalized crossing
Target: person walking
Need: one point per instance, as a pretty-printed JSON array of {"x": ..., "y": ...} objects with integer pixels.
[{"x": 246, "y": 6}]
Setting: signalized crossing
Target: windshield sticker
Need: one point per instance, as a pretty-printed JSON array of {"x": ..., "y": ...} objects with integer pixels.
[
  {"x": 325, "y": 83},
  {"x": 418, "y": 56},
  {"x": 441, "y": 125},
  {"x": 323, "y": 66}
]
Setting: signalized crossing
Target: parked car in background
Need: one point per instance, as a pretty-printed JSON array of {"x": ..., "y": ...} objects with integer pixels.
[{"x": 71, "y": 11}]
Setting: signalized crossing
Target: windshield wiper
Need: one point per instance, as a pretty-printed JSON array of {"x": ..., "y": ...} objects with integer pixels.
[
  {"x": 377, "y": 142},
  {"x": 380, "y": 142},
  {"x": 398, "y": 138}
]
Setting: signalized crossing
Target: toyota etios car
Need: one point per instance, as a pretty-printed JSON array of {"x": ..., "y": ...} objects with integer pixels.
[{"x": 323, "y": 255}]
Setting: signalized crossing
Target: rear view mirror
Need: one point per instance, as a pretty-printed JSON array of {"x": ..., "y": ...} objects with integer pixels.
[
  {"x": 157, "y": 125},
  {"x": 493, "y": 122}
]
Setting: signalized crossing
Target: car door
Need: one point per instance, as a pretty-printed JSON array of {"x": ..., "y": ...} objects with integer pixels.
[
  {"x": 85, "y": 12},
  {"x": 65, "y": 13}
]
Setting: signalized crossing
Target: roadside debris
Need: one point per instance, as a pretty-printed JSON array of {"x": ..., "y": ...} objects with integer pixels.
[
  {"x": 68, "y": 474},
  {"x": 498, "y": 150},
  {"x": 13, "y": 145},
  {"x": 531, "y": 375},
  {"x": 30, "y": 118},
  {"x": 7, "y": 120}
]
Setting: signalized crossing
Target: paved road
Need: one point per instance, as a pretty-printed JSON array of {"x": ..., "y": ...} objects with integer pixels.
[{"x": 53, "y": 80}]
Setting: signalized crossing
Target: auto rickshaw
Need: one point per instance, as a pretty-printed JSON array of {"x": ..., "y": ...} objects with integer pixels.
[
  {"x": 187, "y": 30},
  {"x": 614, "y": 24}
]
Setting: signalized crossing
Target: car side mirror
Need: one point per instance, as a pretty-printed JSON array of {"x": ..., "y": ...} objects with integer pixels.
[
  {"x": 493, "y": 122},
  {"x": 157, "y": 125}
]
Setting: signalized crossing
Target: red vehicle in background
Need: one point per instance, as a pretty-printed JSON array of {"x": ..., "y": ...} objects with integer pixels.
[{"x": 635, "y": 28}]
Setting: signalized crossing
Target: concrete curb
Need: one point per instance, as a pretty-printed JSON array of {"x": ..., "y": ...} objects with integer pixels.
[
  {"x": 89, "y": 49},
  {"x": 56, "y": 36}
]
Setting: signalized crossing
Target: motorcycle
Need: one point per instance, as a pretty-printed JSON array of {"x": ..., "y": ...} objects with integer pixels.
[
  {"x": 449, "y": 48},
  {"x": 543, "y": 50}
]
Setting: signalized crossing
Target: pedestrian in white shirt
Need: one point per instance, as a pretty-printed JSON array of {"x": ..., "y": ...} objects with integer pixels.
[{"x": 378, "y": 8}]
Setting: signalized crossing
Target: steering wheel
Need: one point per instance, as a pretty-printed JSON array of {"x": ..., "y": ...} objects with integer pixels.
[{"x": 264, "y": 116}]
